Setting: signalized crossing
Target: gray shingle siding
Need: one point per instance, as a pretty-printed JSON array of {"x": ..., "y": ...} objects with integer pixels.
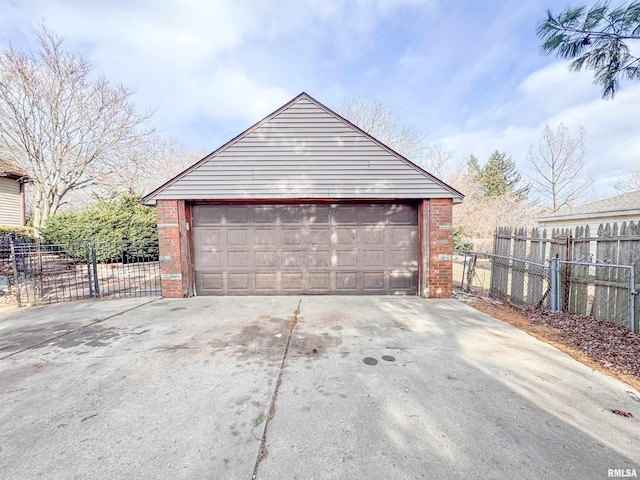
[{"x": 303, "y": 151}]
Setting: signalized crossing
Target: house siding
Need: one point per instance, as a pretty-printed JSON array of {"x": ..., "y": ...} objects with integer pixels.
[
  {"x": 304, "y": 152},
  {"x": 10, "y": 202}
]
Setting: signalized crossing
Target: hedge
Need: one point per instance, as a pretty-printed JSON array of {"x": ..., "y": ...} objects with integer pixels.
[
  {"x": 125, "y": 227},
  {"x": 25, "y": 232}
]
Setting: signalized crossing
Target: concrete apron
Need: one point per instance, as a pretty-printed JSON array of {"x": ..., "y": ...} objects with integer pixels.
[{"x": 368, "y": 387}]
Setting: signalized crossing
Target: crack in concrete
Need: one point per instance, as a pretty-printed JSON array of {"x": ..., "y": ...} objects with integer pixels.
[
  {"x": 262, "y": 451},
  {"x": 99, "y": 320}
]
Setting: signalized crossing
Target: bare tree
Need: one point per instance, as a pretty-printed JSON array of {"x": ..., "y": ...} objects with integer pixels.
[
  {"x": 440, "y": 161},
  {"x": 60, "y": 123},
  {"x": 147, "y": 166},
  {"x": 380, "y": 119},
  {"x": 630, "y": 183},
  {"x": 556, "y": 164}
]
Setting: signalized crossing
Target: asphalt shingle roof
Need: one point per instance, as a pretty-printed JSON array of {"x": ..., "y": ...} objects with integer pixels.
[
  {"x": 618, "y": 204},
  {"x": 8, "y": 169}
]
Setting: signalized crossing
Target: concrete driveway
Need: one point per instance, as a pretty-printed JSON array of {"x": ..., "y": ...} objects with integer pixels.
[{"x": 350, "y": 387}]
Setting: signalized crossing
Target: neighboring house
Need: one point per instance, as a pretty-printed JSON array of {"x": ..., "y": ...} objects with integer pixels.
[
  {"x": 12, "y": 180},
  {"x": 305, "y": 202},
  {"x": 618, "y": 209}
]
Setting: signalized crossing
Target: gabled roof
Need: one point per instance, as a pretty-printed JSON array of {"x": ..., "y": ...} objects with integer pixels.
[
  {"x": 303, "y": 150},
  {"x": 625, "y": 204},
  {"x": 8, "y": 169}
]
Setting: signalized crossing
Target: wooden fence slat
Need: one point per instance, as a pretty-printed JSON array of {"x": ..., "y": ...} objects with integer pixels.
[
  {"x": 603, "y": 253},
  {"x": 518, "y": 271},
  {"x": 534, "y": 277}
]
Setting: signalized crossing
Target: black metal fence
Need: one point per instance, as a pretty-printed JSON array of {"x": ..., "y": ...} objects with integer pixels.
[{"x": 40, "y": 273}]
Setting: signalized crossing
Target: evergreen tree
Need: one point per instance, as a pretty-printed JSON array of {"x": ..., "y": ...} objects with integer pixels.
[
  {"x": 597, "y": 38},
  {"x": 474, "y": 166},
  {"x": 498, "y": 177}
]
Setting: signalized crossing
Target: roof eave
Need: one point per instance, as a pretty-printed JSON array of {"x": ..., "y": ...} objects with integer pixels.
[{"x": 577, "y": 216}]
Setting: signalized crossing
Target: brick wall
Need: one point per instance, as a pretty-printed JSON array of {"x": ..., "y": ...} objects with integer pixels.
[
  {"x": 440, "y": 248},
  {"x": 175, "y": 270},
  {"x": 436, "y": 248}
]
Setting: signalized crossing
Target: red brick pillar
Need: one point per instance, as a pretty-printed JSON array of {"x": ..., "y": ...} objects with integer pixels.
[
  {"x": 175, "y": 258},
  {"x": 436, "y": 248}
]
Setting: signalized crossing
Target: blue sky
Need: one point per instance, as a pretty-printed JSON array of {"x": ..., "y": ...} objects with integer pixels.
[{"x": 468, "y": 72}]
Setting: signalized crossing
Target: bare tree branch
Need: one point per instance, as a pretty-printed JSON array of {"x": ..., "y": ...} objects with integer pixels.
[
  {"x": 630, "y": 183},
  {"x": 60, "y": 123},
  {"x": 556, "y": 167},
  {"x": 380, "y": 119}
]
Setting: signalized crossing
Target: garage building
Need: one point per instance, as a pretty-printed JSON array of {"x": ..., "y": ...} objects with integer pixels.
[{"x": 305, "y": 202}]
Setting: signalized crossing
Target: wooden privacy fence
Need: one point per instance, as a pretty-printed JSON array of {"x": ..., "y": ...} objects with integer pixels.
[{"x": 603, "y": 286}]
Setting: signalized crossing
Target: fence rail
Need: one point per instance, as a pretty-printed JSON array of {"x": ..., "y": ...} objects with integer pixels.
[
  {"x": 41, "y": 273},
  {"x": 517, "y": 281}
]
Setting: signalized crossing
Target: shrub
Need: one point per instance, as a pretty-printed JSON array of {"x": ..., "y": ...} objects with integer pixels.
[
  {"x": 459, "y": 240},
  {"x": 24, "y": 232},
  {"x": 121, "y": 226}
]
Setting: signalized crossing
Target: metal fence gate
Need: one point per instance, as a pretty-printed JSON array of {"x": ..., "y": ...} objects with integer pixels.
[{"x": 41, "y": 273}]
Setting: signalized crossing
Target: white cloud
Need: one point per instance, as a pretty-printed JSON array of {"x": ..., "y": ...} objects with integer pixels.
[
  {"x": 553, "y": 95},
  {"x": 554, "y": 87},
  {"x": 182, "y": 57}
]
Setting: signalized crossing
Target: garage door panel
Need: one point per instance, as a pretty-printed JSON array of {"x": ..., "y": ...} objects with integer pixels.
[
  {"x": 268, "y": 237},
  {"x": 237, "y": 237},
  {"x": 209, "y": 282},
  {"x": 318, "y": 215},
  {"x": 210, "y": 260},
  {"x": 266, "y": 281},
  {"x": 403, "y": 281},
  {"x": 373, "y": 280},
  {"x": 403, "y": 237},
  {"x": 289, "y": 249},
  {"x": 293, "y": 215},
  {"x": 266, "y": 214},
  {"x": 345, "y": 259},
  {"x": 238, "y": 259},
  {"x": 320, "y": 281},
  {"x": 403, "y": 259},
  {"x": 347, "y": 282},
  {"x": 344, "y": 214},
  {"x": 293, "y": 260},
  {"x": 319, "y": 258},
  {"x": 319, "y": 236},
  {"x": 372, "y": 236},
  {"x": 208, "y": 215},
  {"x": 240, "y": 215},
  {"x": 373, "y": 258},
  {"x": 402, "y": 215},
  {"x": 345, "y": 236},
  {"x": 293, "y": 281},
  {"x": 239, "y": 281},
  {"x": 268, "y": 260},
  {"x": 207, "y": 237},
  {"x": 371, "y": 215},
  {"x": 294, "y": 237}
]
